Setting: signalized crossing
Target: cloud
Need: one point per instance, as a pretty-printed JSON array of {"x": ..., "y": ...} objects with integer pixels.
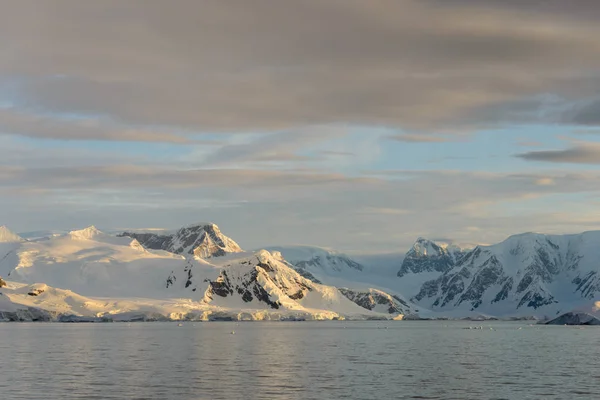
[
  {"x": 587, "y": 113},
  {"x": 581, "y": 153},
  {"x": 274, "y": 147},
  {"x": 415, "y": 138},
  {"x": 14, "y": 122},
  {"x": 302, "y": 206},
  {"x": 545, "y": 181},
  {"x": 223, "y": 66}
]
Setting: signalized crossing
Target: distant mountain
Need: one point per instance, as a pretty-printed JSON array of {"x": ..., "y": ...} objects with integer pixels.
[
  {"x": 379, "y": 301},
  {"x": 574, "y": 318},
  {"x": 317, "y": 260},
  {"x": 429, "y": 256},
  {"x": 526, "y": 274},
  {"x": 7, "y": 236},
  {"x": 203, "y": 240}
]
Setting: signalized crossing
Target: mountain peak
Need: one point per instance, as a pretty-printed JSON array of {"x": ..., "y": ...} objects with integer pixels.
[
  {"x": 88, "y": 233},
  {"x": 202, "y": 239},
  {"x": 8, "y": 236},
  {"x": 427, "y": 255},
  {"x": 203, "y": 225}
]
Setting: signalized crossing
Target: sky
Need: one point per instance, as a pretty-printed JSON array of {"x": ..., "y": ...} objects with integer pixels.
[{"x": 351, "y": 124}]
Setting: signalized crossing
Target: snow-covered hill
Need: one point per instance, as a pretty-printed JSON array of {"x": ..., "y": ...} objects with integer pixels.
[
  {"x": 202, "y": 240},
  {"x": 527, "y": 274}
]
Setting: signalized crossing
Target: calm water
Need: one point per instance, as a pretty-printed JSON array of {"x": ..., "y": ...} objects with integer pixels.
[{"x": 301, "y": 360}]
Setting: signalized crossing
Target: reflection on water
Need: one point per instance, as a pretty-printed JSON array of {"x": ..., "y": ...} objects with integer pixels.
[{"x": 302, "y": 360}]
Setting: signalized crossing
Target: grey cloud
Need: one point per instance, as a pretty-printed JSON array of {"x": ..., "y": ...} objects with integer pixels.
[
  {"x": 300, "y": 206},
  {"x": 273, "y": 147},
  {"x": 221, "y": 65},
  {"x": 586, "y": 114},
  {"x": 582, "y": 153},
  {"x": 32, "y": 125}
]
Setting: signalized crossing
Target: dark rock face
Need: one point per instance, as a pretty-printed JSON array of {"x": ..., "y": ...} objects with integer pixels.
[
  {"x": 572, "y": 318},
  {"x": 588, "y": 284},
  {"x": 204, "y": 240},
  {"x": 428, "y": 256},
  {"x": 35, "y": 292},
  {"x": 370, "y": 299}
]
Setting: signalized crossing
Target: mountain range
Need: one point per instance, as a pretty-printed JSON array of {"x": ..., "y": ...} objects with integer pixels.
[{"x": 196, "y": 272}]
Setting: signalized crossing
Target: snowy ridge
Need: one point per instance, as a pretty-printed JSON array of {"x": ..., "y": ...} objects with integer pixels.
[{"x": 203, "y": 240}]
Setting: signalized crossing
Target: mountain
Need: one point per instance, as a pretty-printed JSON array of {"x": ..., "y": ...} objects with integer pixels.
[
  {"x": 317, "y": 260},
  {"x": 202, "y": 240},
  {"x": 429, "y": 256},
  {"x": 572, "y": 318},
  {"x": 90, "y": 274},
  {"x": 91, "y": 262},
  {"x": 262, "y": 280},
  {"x": 359, "y": 283},
  {"x": 379, "y": 301},
  {"x": 530, "y": 273},
  {"x": 7, "y": 236}
]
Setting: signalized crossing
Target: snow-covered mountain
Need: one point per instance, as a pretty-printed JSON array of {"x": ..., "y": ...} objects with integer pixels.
[
  {"x": 317, "y": 260},
  {"x": 7, "y": 236},
  {"x": 378, "y": 300},
  {"x": 91, "y": 267},
  {"x": 202, "y": 240},
  {"x": 138, "y": 275},
  {"x": 90, "y": 262},
  {"x": 359, "y": 283},
  {"x": 527, "y": 274},
  {"x": 429, "y": 256}
]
